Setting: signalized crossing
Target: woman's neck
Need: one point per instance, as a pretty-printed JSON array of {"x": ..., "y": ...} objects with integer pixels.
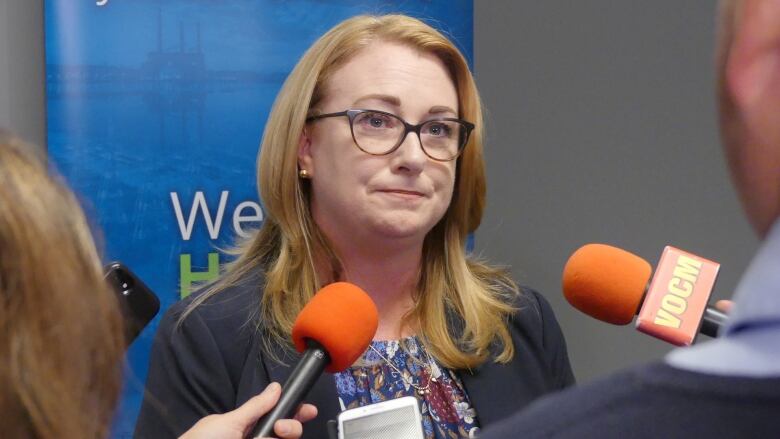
[{"x": 389, "y": 276}]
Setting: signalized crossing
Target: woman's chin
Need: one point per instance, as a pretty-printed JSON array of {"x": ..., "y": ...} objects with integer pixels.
[{"x": 402, "y": 230}]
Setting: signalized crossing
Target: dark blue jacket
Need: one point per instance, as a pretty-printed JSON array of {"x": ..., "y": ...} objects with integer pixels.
[
  {"x": 653, "y": 401},
  {"x": 215, "y": 361}
]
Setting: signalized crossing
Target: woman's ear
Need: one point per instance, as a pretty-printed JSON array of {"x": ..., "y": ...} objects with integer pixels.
[
  {"x": 753, "y": 66},
  {"x": 305, "y": 161}
]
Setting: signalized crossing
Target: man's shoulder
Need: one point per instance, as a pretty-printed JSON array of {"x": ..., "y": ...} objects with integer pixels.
[{"x": 645, "y": 401}]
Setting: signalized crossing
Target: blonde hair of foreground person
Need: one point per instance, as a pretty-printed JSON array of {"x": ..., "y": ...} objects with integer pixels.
[
  {"x": 60, "y": 329},
  {"x": 289, "y": 241}
]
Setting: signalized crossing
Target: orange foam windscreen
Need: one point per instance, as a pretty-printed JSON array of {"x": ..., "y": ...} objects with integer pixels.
[
  {"x": 342, "y": 318},
  {"x": 606, "y": 282}
]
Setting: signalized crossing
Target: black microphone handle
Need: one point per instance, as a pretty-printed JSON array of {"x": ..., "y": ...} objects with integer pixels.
[
  {"x": 297, "y": 386},
  {"x": 712, "y": 321}
]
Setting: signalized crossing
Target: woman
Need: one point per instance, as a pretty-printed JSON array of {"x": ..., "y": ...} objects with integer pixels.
[
  {"x": 59, "y": 371},
  {"x": 370, "y": 171}
]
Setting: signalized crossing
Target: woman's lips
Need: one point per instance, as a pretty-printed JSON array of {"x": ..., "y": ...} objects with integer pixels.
[{"x": 403, "y": 193}]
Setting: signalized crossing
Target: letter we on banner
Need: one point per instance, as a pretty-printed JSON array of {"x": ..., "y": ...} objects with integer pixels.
[{"x": 199, "y": 208}]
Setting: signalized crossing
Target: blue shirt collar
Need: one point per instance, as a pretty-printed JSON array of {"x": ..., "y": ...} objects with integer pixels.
[{"x": 757, "y": 297}]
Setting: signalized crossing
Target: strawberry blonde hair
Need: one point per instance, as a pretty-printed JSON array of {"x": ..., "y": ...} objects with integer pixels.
[{"x": 450, "y": 283}]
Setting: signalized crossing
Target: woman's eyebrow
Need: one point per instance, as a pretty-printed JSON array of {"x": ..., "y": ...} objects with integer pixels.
[
  {"x": 389, "y": 99},
  {"x": 438, "y": 109}
]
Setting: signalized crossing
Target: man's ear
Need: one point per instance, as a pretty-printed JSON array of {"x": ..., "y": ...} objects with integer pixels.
[
  {"x": 305, "y": 161},
  {"x": 753, "y": 65}
]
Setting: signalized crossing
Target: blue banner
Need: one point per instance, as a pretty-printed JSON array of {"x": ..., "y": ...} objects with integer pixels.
[{"x": 155, "y": 111}]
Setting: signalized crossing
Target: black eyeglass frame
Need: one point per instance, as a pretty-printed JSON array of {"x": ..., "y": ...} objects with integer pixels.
[{"x": 352, "y": 113}]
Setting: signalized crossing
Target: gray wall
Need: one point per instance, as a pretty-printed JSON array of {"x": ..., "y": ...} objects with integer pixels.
[
  {"x": 601, "y": 128},
  {"x": 22, "y": 69}
]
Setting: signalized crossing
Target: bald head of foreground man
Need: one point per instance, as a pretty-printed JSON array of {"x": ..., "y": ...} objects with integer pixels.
[{"x": 728, "y": 387}]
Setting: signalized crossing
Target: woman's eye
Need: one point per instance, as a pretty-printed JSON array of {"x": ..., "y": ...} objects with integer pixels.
[
  {"x": 439, "y": 130},
  {"x": 376, "y": 120}
]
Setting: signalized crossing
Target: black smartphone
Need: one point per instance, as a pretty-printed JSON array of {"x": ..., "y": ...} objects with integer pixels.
[{"x": 137, "y": 302}]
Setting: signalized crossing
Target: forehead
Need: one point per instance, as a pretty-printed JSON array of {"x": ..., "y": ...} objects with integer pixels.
[{"x": 419, "y": 80}]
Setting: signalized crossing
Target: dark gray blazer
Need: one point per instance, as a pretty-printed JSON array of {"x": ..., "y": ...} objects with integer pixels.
[{"x": 214, "y": 361}]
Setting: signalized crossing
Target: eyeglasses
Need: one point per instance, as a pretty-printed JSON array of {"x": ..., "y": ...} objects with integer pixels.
[{"x": 380, "y": 133}]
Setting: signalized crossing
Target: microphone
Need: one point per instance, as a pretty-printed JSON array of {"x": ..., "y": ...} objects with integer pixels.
[
  {"x": 611, "y": 284},
  {"x": 331, "y": 332}
]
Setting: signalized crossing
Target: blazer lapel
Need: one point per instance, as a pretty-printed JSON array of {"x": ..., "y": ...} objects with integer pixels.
[{"x": 491, "y": 389}]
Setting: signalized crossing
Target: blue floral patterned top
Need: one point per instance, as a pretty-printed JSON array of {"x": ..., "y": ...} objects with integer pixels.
[{"x": 445, "y": 407}]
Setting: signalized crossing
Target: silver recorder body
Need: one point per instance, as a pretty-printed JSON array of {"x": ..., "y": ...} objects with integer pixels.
[{"x": 394, "y": 419}]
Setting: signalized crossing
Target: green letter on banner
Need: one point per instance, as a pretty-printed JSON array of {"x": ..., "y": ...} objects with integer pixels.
[{"x": 188, "y": 277}]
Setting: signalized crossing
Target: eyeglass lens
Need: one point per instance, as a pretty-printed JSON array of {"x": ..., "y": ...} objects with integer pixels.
[{"x": 378, "y": 133}]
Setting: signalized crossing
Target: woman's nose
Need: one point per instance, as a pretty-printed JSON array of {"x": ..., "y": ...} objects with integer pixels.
[{"x": 410, "y": 156}]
